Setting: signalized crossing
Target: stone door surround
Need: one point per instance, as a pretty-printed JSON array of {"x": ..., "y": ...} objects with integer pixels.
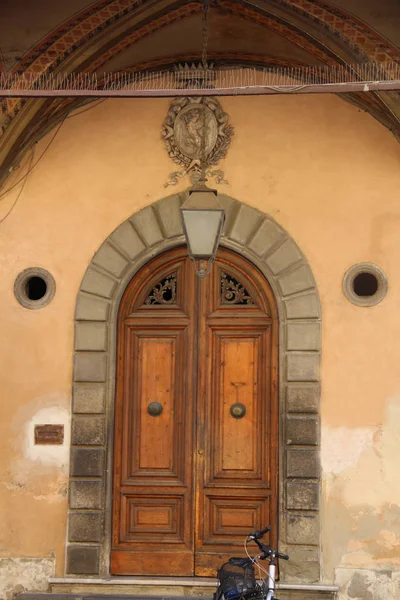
[{"x": 145, "y": 234}]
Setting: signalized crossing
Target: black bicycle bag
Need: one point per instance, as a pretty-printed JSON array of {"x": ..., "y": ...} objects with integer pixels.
[{"x": 237, "y": 580}]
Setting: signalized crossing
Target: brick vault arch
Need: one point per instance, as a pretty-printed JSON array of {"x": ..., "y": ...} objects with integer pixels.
[{"x": 145, "y": 234}]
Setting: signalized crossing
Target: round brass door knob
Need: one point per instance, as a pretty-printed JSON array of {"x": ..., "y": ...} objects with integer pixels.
[
  {"x": 154, "y": 409},
  {"x": 238, "y": 410}
]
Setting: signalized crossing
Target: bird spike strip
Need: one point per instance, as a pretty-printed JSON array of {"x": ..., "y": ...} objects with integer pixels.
[{"x": 195, "y": 80}]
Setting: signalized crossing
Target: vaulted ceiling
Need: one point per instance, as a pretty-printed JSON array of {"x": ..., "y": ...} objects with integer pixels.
[{"x": 53, "y": 36}]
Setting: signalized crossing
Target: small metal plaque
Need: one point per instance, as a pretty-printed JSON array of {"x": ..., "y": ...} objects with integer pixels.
[{"x": 49, "y": 434}]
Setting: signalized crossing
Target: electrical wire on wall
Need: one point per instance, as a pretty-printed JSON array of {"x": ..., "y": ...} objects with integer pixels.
[
  {"x": 92, "y": 103},
  {"x": 14, "y": 185},
  {"x": 24, "y": 180},
  {"x": 67, "y": 116}
]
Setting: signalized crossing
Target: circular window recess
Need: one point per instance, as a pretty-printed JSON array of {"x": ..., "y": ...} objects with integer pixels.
[
  {"x": 34, "y": 288},
  {"x": 365, "y": 284}
]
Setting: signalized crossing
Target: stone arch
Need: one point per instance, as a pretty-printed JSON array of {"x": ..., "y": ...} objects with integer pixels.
[{"x": 145, "y": 234}]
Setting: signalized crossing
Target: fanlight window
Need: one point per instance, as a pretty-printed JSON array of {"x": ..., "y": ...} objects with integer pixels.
[
  {"x": 164, "y": 292},
  {"x": 233, "y": 292}
]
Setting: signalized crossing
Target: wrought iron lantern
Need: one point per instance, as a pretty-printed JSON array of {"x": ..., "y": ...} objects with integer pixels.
[
  {"x": 203, "y": 215},
  {"x": 203, "y": 218}
]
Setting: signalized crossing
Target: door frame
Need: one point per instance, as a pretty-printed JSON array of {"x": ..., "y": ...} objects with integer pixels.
[{"x": 263, "y": 242}]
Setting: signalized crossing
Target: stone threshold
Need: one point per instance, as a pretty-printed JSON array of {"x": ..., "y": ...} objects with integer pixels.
[
  {"x": 138, "y": 580},
  {"x": 180, "y": 581}
]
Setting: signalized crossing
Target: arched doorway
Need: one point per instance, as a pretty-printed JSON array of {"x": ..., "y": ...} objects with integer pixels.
[
  {"x": 144, "y": 235},
  {"x": 196, "y": 416}
]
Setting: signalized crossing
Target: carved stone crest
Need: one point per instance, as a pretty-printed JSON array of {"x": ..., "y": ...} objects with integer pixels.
[{"x": 196, "y": 129}]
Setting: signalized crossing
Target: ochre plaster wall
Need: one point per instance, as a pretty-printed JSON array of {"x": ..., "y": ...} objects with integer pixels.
[{"x": 330, "y": 175}]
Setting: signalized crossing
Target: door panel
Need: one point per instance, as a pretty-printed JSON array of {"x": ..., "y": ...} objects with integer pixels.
[
  {"x": 235, "y": 438},
  {"x": 155, "y": 435},
  {"x": 153, "y": 471},
  {"x": 154, "y": 438},
  {"x": 194, "y": 477},
  {"x": 235, "y": 487}
]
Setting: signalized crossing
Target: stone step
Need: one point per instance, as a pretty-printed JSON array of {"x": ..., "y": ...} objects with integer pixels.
[
  {"x": 66, "y": 596},
  {"x": 283, "y": 594},
  {"x": 147, "y": 588},
  {"x": 139, "y": 587}
]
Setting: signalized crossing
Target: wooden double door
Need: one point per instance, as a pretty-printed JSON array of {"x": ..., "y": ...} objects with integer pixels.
[{"x": 196, "y": 416}]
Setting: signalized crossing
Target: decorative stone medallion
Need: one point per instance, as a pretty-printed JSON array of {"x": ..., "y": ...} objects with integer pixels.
[{"x": 196, "y": 129}]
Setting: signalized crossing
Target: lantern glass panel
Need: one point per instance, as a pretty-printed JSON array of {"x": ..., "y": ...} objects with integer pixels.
[{"x": 202, "y": 228}]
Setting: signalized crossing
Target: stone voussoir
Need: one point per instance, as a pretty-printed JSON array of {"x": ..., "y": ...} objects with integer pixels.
[
  {"x": 108, "y": 259},
  {"x": 286, "y": 255},
  {"x": 268, "y": 235},
  {"x": 305, "y": 306},
  {"x": 245, "y": 224},
  {"x": 170, "y": 216},
  {"x": 230, "y": 206},
  {"x": 299, "y": 279},
  {"x": 146, "y": 224},
  {"x": 98, "y": 283},
  {"x": 127, "y": 240}
]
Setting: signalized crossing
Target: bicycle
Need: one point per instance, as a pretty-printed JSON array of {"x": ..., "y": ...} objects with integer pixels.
[{"x": 237, "y": 580}]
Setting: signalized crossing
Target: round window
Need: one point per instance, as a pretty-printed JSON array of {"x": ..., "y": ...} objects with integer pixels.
[
  {"x": 34, "y": 288},
  {"x": 365, "y": 284}
]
